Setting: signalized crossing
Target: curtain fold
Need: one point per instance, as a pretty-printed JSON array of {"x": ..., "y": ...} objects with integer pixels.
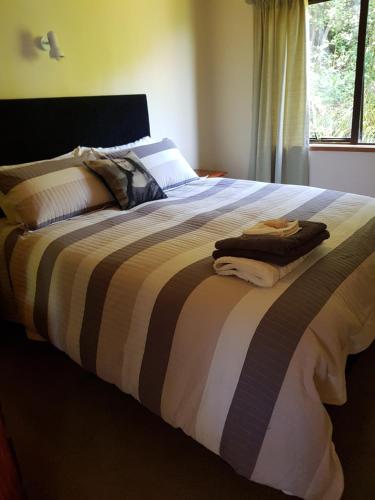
[{"x": 280, "y": 117}]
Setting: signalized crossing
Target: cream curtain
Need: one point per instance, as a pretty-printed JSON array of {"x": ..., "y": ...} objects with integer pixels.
[{"x": 280, "y": 116}]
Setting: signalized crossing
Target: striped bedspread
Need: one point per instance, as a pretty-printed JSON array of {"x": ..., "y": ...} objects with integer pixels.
[{"x": 132, "y": 297}]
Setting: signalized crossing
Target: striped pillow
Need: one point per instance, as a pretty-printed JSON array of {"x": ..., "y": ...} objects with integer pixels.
[
  {"x": 46, "y": 192},
  {"x": 66, "y": 155},
  {"x": 164, "y": 161}
]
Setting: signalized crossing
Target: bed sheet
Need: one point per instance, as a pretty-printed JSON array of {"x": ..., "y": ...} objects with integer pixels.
[{"x": 132, "y": 296}]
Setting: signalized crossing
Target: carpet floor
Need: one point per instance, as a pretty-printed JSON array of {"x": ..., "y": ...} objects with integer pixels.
[{"x": 79, "y": 438}]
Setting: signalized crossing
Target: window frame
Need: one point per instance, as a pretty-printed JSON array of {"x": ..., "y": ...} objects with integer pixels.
[{"x": 356, "y": 129}]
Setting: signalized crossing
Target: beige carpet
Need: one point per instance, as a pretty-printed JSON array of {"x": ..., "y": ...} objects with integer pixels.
[{"x": 78, "y": 438}]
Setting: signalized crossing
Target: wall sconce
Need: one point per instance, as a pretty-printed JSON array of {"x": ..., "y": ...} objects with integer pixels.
[{"x": 50, "y": 42}]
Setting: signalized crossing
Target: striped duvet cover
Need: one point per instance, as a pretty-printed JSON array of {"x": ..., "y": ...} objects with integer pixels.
[{"x": 132, "y": 297}]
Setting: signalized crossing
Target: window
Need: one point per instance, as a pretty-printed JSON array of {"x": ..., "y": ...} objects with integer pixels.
[{"x": 342, "y": 71}]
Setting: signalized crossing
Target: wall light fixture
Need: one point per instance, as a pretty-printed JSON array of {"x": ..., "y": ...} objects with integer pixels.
[{"x": 49, "y": 42}]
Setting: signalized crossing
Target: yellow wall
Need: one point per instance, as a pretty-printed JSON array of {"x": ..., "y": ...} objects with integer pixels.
[{"x": 110, "y": 47}]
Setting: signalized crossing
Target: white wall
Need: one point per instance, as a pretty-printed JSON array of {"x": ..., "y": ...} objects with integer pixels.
[{"x": 343, "y": 171}]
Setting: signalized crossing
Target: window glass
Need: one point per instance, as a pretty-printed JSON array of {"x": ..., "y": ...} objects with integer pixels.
[
  {"x": 333, "y": 53},
  {"x": 368, "y": 124}
]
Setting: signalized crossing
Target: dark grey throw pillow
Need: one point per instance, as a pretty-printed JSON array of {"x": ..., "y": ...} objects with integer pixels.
[{"x": 128, "y": 180}]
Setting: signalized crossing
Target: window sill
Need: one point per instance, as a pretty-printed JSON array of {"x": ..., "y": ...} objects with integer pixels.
[{"x": 351, "y": 148}]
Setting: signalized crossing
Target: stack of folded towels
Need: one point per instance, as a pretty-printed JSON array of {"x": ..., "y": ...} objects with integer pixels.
[{"x": 269, "y": 250}]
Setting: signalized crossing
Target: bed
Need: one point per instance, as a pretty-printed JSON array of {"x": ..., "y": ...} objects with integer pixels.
[{"x": 132, "y": 297}]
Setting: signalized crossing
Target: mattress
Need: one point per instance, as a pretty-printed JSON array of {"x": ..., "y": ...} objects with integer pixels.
[{"x": 132, "y": 297}]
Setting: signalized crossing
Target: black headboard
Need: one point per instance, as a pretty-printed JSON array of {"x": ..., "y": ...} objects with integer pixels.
[{"x": 37, "y": 129}]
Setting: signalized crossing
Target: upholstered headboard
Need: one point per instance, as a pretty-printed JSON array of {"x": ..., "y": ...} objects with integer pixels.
[{"x": 37, "y": 129}]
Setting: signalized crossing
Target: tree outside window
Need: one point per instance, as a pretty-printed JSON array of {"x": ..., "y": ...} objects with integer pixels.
[{"x": 342, "y": 71}]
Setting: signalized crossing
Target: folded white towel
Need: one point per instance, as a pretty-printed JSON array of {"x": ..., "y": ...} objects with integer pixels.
[
  {"x": 255, "y": 271},
  {"x": 275, "y": 227}
]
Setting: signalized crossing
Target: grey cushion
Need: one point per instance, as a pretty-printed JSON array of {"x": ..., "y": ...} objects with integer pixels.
[{"x": 128, "y": 180}]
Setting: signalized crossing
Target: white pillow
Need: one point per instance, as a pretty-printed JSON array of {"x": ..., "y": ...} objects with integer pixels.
[
  {"x": 163, "y": 160},
  {"x": 88, "y": 153}
]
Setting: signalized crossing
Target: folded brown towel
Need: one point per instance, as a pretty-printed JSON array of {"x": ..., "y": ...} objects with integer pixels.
[{"x": 280, "y": 251}]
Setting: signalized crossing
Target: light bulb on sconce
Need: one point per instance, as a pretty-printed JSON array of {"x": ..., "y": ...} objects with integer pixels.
[{"x": 50, "y": 42}]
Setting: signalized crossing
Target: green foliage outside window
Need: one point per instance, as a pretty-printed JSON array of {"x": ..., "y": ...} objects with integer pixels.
[
  {"x": 369, "y": 86},
  {"x": 333, "y": 56}
]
